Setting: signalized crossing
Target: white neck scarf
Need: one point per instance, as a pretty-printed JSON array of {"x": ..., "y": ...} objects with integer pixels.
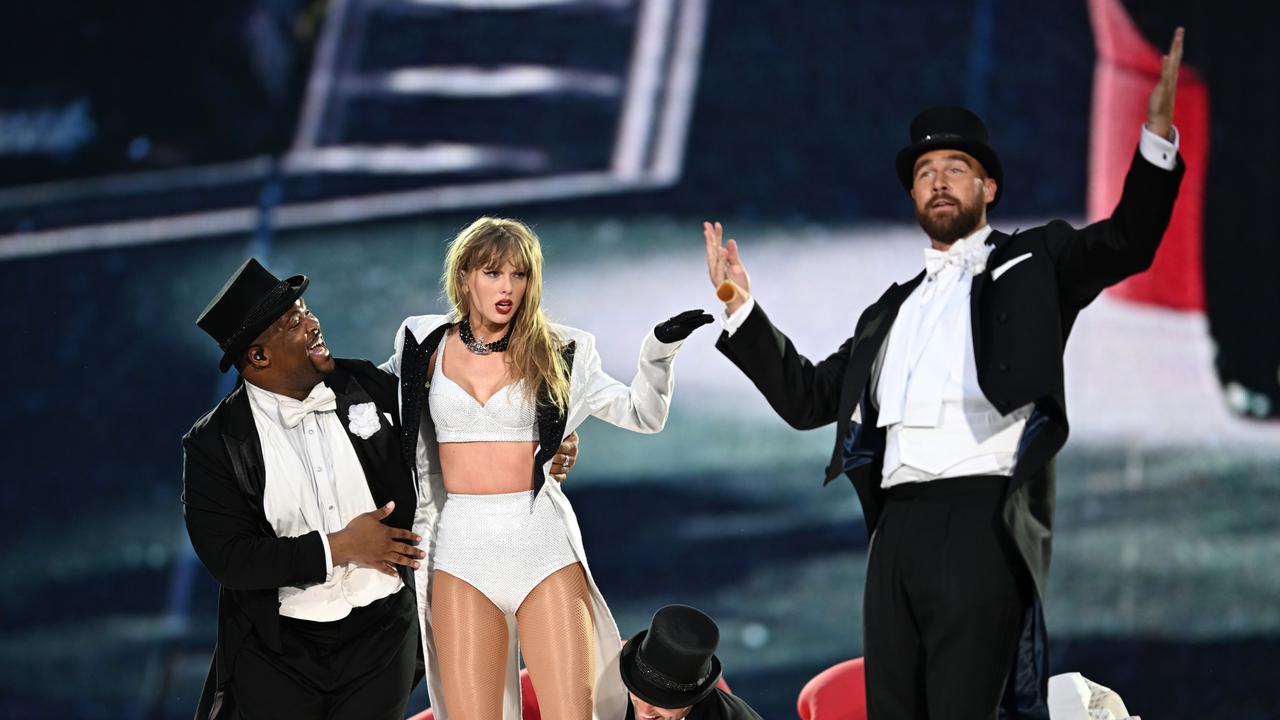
[{"x": 929, "y": 329}]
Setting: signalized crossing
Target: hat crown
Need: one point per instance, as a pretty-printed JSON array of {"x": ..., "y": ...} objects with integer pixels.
[
  {"x": 250, "y": 301},
  {"x": 943, "y": 122},
  {"x": 680, "y": 644},
  {"x": 949, "y": 128},
  {"x": 231, "y": 306}
]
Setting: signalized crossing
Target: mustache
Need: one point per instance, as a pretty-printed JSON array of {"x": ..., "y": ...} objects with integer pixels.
[{"x": 943, "y": 196}]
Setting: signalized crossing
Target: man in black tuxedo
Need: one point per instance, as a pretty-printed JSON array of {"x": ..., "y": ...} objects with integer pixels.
[
  {"x": 949, "y": 408},
  {"x": 298, "y": 502}
]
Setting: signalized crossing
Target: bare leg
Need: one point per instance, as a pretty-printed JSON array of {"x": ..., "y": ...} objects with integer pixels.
[
  {"x": 557, "y": 639},
  {"x": 471, "y": 644}
]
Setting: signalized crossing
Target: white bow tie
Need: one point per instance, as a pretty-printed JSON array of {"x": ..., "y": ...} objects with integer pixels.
[
  {"x": 321, "y": 399},
  {"x": 974, "y": 260}
]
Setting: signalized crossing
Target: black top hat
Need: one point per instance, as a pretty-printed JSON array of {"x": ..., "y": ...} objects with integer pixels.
[
  {"x": 950, "y": 128},
  {"x": 250, "y": 301},
  {"x": 673, "y": 663}
]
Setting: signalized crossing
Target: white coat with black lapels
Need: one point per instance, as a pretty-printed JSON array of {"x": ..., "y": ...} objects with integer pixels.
[{"x": 641, "y": 407}]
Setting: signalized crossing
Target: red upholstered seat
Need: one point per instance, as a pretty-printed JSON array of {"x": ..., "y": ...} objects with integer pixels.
[
  {"x": 1126, "y": 70},
  {"x": 837, "y": 693}
]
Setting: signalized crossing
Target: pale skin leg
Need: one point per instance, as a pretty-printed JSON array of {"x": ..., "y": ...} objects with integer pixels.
[
  {"x": 471, "y": 643},
  {"x": 557, "y": 640}
]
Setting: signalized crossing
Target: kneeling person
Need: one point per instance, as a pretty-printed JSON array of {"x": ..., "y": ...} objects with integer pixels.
[{"x": 671, "y": 670}]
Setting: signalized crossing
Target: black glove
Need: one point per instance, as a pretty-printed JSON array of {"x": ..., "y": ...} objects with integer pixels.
[{"x": 679, "y": 327}]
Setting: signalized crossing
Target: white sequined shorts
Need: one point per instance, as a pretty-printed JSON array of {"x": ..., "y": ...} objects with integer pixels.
[{"x": 502, "y": 545}]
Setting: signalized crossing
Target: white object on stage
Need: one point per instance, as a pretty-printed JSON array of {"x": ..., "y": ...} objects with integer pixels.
[{"x": 1072, "y": 696}]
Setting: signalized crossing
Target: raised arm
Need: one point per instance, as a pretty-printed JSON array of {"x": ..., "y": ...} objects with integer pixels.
[
  {"x": 641, "y": 406},
  {"x": 803, "y": 394},
  {"x": 1124, "y": 244}
]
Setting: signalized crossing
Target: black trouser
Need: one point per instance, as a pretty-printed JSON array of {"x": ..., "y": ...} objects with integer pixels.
[
  {"x": 944, "y": 598},
  {"x": 360, "y": 667}
]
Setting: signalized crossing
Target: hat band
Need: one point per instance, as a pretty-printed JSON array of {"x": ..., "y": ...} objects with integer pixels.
[
  {"x": 254, "y": 314},
  {"x": 656, "y": 677}
]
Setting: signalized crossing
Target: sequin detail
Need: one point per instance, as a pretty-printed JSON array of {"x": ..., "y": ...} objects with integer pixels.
[
  {"x": 502, "y": 545},
  {"x": 458, "y": 417},
  {"x": 656, "y": 677}
]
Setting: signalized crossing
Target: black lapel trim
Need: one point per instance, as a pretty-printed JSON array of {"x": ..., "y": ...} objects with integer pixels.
[
  {"x": 978, "y": 288},
  {"x": 240, "y": 437},
  {"x": 551, "y": 422},
  {"x": 373, "y": 452},
  {"x": 861, "y": 356},
  {"x": 415, "y": 367}
]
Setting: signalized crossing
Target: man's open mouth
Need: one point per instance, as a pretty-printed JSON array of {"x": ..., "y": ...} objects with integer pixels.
[{"x": 318, "y": 347}]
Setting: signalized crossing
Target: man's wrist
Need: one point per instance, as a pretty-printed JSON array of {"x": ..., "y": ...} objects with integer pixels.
[
  {"x": 337, "y": 548},
  {"x": 1162, "y": 128}
]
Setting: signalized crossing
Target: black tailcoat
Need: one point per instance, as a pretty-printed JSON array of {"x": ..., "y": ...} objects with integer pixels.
[
  {"x": 1021, "y": 322},
  {"x": 223, "y": 482}
]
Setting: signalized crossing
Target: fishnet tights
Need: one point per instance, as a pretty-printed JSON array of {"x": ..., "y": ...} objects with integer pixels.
[{"x": 557, "y": 640}]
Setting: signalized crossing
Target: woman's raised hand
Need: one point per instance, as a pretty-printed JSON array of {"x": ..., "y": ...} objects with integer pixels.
[{"x": 679, "y": 327}]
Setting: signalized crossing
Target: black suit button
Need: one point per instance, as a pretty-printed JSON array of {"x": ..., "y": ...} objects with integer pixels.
[
  {"x": 1002, "y": 367},
  {"x": 1003, "y": 317}
]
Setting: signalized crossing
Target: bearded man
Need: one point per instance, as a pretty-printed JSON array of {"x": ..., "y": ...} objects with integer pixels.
[{"x": 949, "y": 408}]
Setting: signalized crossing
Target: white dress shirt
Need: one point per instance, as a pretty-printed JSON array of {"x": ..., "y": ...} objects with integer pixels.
[
  {"x": 314, "y": 481},
  {"x": 938, "y": 422}
]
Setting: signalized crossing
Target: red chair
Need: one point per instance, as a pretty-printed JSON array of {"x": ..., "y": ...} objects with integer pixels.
[
  {"x": 1126, "y": 70},
  {"x": 837, "y": 693}
]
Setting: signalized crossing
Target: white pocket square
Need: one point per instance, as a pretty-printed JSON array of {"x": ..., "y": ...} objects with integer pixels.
[{"x": 1004, "y": 266}]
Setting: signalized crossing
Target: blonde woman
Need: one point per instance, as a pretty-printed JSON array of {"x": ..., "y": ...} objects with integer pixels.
[{"x": 487, "y": 394}]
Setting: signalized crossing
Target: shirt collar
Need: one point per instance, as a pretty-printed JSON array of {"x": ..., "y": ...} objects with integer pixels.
[
  {"x": 969, "y": 252},
  {"x": 971, "y": 242},
  {"x": 269, "y": 402}
]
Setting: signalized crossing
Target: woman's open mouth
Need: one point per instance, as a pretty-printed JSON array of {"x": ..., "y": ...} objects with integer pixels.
[{"x": 504, "y": 306}]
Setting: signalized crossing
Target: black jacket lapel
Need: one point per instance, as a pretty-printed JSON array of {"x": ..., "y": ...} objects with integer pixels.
[
  {"x": 866, "y": 346},
  {"x": 551, "y": 420},
  {"x": 415, "y": 367},
  {"x": 997, "y": 240},
  {"x": 373, "y": 452},
  {"x": 244, "y": 448}
]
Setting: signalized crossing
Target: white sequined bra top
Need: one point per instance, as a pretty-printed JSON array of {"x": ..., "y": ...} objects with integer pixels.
[{"x": 458, "y": 417}]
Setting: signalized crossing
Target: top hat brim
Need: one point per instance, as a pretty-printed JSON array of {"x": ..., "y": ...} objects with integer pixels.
[
  {"x": 277, "y": 301},
  {"x": 981, "y": 152},
  {"x": 655, "y": 694}
]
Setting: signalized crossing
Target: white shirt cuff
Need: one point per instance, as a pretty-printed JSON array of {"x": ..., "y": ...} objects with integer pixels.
[
  {"x": 328, "y": 558},
  {"x": 733, "y": 322},
  {"x": 1158, "y": 151}
]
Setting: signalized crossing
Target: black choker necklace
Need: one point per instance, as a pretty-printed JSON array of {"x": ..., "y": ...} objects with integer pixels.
[{"x": 480, "y": 347}]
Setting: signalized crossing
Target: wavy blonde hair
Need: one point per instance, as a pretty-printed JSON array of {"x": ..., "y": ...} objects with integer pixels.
[{"x": 534, "y": 351}]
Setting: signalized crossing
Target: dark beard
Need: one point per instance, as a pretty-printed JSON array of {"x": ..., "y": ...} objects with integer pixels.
[{"x": 947, "y": 230}]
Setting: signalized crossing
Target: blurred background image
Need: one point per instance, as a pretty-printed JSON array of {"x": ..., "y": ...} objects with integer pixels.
[{"x": 148, "y": 147}]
